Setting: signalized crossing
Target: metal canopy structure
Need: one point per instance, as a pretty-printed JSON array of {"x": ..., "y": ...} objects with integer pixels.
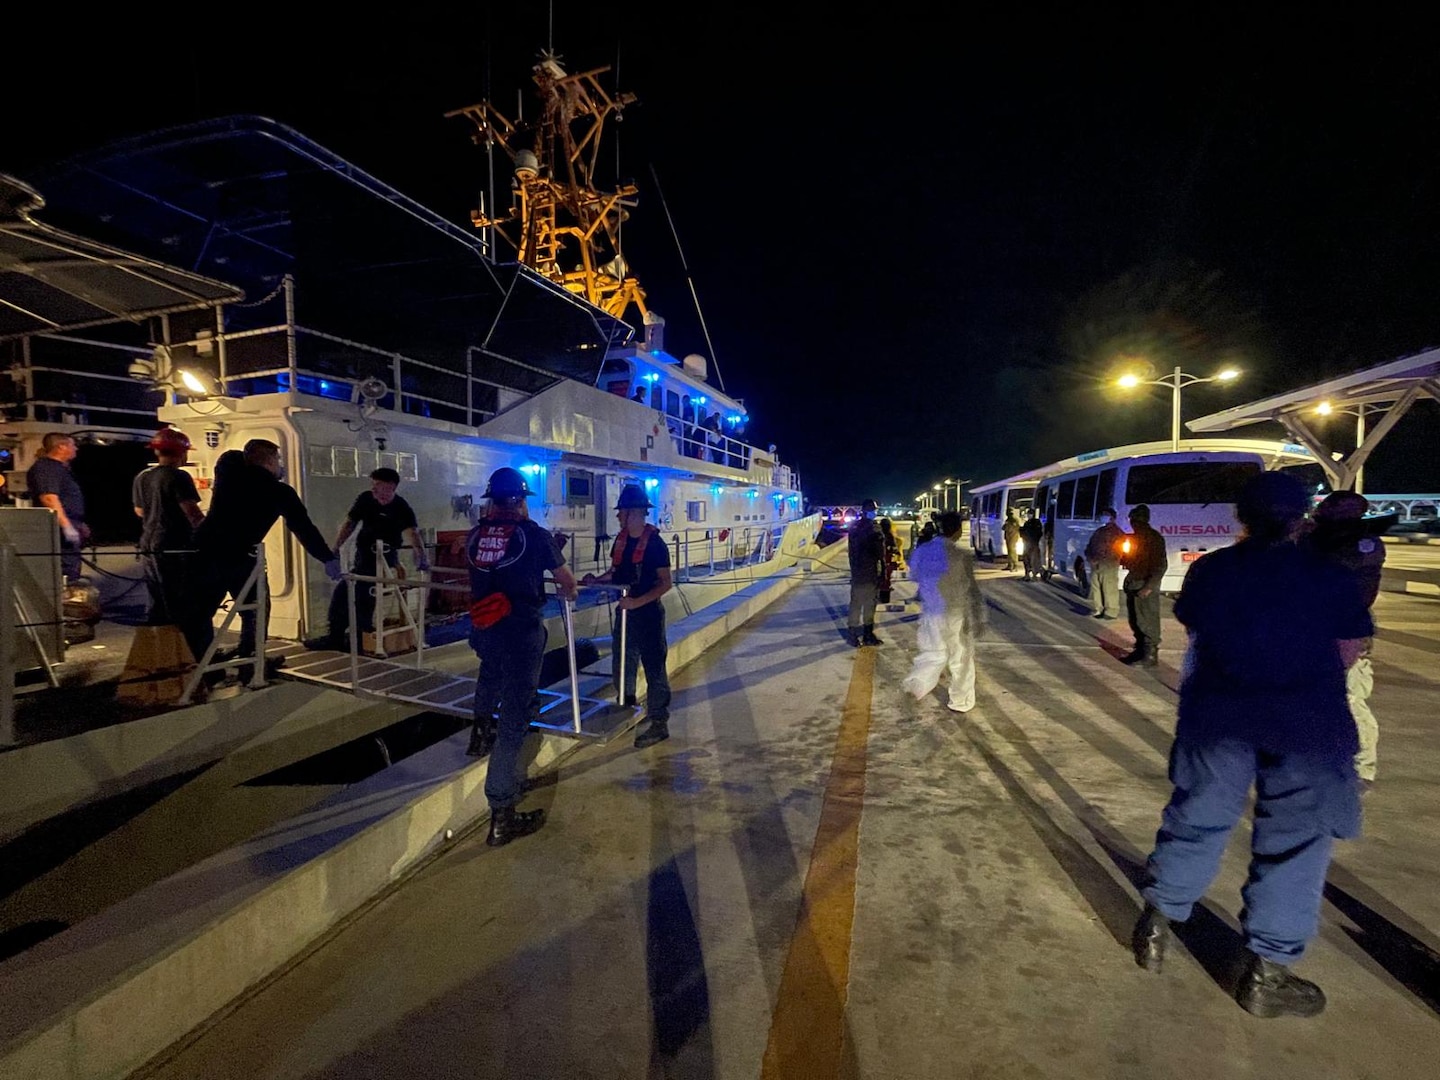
[
  {"x": 1387, "y": 391},
  {"x": 52, "y": 280}
]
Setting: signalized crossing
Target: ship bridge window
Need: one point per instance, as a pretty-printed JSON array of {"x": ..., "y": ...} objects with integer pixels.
[
  {"x": 347, "y": 461},
  {"x": 322, "y": 461},
  {"x": 695, "y": 511},
  {"x": 408, "y": 466}
]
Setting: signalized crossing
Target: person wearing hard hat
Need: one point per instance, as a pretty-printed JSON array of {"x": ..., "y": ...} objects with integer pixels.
[
  {"x": 1262, "y": 704},
  {"x": 508, "y": 556},
  {"x": 640, "y": 560},
  {"x": 168, "y": 506}
]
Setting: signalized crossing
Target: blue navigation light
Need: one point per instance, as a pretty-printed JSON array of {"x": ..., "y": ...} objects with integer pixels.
[
  {"x": 532, "y": 469},
  {"x": 733, "y": 419},
  {"x": 752, "y": 493},
  {"x": 701, "y": 400},
  {"x": 651, "y": 483},
  {"x": 652, "y": 377},
  {"x": 717, "y": 490}
]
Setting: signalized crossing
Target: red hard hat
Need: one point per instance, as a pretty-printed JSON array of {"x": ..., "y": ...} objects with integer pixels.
[{"x": 171, "y": 439}]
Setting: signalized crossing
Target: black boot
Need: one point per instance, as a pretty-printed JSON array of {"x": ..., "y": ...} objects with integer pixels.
[
  {"x": 657, "y": 732},
  {"x": 868, "y": 637},
  {"x": 1150, "y": 940},
  {"x": 852, "y": 637},
  {"x": 1150, "y": 658},
  {"x": 482, "y": 741},
  {"x": 1268, "y": 989},
  {"x": 1136, "y": 654},
  {"x": 507, "y": 823}
]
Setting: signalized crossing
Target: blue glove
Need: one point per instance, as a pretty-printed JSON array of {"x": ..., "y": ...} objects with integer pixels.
[
  {"x": 422, "y": 563},
  {"x": 333, "y": 570}
]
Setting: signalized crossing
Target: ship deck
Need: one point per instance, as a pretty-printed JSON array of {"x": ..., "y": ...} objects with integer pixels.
[{"x": 818, "y": 877}]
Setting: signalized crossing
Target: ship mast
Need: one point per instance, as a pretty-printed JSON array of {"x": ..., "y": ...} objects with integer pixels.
[{"x": 559, "y": 223}]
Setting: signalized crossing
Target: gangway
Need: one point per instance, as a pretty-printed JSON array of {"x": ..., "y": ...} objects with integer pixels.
[{"x": 409, "y": 681}]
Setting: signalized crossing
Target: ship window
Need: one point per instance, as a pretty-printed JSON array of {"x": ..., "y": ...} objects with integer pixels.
[
  {"x": 579, "y": 487},
  {"x": 387, "y": 460},
  {"x": 408, "y": 466},
  {"x": 346, "y": 461},
  {"x": 322, "y": 461},
  {"x": 365, "y": 461},
  {"x": 695, "y": 511},
  {"x": 672, "y": 402}
]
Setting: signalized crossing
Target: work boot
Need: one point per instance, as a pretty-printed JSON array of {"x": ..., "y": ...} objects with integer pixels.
[
  {"x": 507, "y": 823},
  {"x": 869, "y": 638},
  {"x": 1150, "y": 939},
  {"x": 1268, "y": 989},
  {"x": 1136, "y": 655},
  {"x": 1150, "y": 658},
  {"x": 481, "y": 742},
  {"x": 657, "y": 732},
  {"x": 852, "y": 638}
]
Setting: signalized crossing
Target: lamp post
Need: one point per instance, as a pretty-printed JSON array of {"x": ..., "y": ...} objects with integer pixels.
[
  {"x": 1176, "y": 381},
  {"x": 940, "y": 488},
  {"x": 1359, "y": 412}
]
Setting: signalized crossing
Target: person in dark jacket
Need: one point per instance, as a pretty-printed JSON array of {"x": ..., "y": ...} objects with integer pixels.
[
  {"x": 168, "y": 505},
  {"x": 1272, "y": 629},
  {"x": 1341, "y": 533},
  {"x": 1102, "y": 556},
  {"x": 1033, "y": 533},
  {"x": 249, "y": 497},
  {"x": 867, "y": 571},
  {"x": 1145, "y": 564},
  {"x": 640, "y": 560},
  {"x": 508, "y": 557}
]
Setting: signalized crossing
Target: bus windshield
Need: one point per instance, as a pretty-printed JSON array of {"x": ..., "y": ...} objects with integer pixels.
[{"x": 1189, "y": 482}]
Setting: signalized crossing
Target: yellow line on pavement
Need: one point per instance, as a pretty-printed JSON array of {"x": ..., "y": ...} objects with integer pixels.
[{"x": 807, "y": 1030}]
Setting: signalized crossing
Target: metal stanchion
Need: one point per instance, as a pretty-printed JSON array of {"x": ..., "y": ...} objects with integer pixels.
[
  {"x": 567, "y": 608},
  {"x": 354, "y": 631},
  {"x": 624, "y": 623},
  {"x": 262, "y": 618}
]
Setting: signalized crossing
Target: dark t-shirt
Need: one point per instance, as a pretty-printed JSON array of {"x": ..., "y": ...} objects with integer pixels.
[
  {"x": 50, "y": 477},
  {"x": 655, "y": 558},
  {"x": 1264, "y": 665},
  {"x": 246, "y": 502},
  {"x": 385, "y": 523},
  {"x": 159, "y": 492},
  {"x": 511, "y": 556}
]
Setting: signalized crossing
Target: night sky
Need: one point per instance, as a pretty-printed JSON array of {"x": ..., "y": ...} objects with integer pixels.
[{"x": 920, "y": 245}]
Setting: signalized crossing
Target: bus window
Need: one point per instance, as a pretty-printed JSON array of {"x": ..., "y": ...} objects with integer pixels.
[
  {"x": 1064, "y": 499},
  {"x": 1042, "y": 500},
  {"x": 974, "y": 508},
  {"x": 1085, "y": 497},
  {"x": 1106, "y": 495},
  {"x": 1201, "y": 482}
]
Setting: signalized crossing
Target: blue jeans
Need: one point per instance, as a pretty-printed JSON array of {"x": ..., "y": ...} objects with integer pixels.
[
  {"x": 510, "y": 653},
  {"x": 1302, "y": 802},
  {"x": 645, "y": 644}
]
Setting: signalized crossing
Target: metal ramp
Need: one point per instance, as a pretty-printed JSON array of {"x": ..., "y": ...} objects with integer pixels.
[{"x": 577, "y": 716}]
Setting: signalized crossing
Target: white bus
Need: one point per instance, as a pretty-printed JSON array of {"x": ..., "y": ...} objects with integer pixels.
[{"x": 1191, "y": 494}]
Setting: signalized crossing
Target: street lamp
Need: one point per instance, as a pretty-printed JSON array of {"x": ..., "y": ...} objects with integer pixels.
[
  {"x": 1175, "y": 382},
  {"x": 940, "y": 488},
  {"x": 1359, "y": 412}
]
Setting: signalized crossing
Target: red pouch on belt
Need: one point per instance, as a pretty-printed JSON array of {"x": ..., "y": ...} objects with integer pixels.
[{"x": 489, "y": 610}]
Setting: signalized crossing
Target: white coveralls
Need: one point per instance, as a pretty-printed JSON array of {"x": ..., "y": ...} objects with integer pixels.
[{"x": 951, "y": 613}]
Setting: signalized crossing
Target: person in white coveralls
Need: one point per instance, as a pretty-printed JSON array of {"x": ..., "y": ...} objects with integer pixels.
[{"x": 952, "y": 612}]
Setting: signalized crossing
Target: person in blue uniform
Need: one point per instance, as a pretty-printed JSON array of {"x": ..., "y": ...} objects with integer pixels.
[
  {"x": 641, "y": 560},
  {"x": 249, "y": 497},
  {"x": 1273, "y": 628},
  {"x": 1145, "y": 564},
  {"x": 50, "y": 483},
  {"x": 508, "y": 556},
  {"x": 867, "y": 571},
  {"x": 380, "y": 514}
]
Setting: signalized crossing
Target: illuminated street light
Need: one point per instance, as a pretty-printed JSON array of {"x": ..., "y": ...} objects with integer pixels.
[
  {"x": 1175, "y": 381},
  {"x": 1359, "y": 412}
]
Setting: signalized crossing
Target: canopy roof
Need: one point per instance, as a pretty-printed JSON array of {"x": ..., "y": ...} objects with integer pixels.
[
  {"x": 52, "y": 280},
  {"x": 1386, "y": 391}
]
